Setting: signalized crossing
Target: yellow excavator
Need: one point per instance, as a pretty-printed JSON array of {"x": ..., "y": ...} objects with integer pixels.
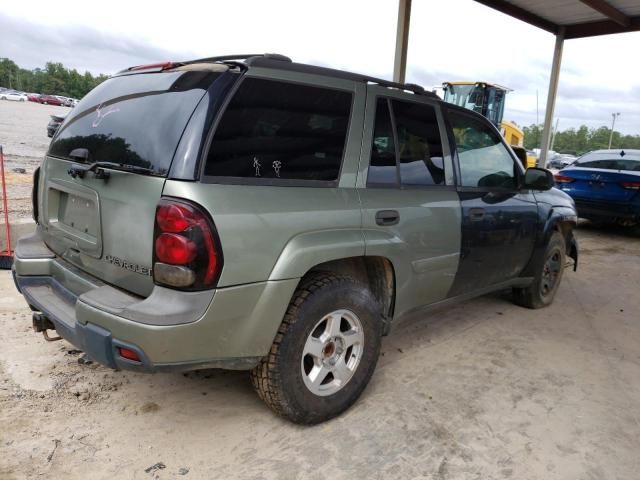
[{"x": 488, "y": 100}]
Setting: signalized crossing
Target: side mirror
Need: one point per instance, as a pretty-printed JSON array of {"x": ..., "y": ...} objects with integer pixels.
[{"x": 538, "y": 179}]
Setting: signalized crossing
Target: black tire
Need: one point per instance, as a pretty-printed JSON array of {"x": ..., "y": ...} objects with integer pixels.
[
  {"x": 278, "y": 379},
  {"x": 548, "y": 277}
]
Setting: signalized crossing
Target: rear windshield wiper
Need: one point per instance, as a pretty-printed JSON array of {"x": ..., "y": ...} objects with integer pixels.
[
  {"x": 122, "y": 166},
  {"x": 98, "y": 168}
]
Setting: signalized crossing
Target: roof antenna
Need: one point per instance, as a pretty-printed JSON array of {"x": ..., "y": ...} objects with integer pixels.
[{"x": 622, "y": 154}]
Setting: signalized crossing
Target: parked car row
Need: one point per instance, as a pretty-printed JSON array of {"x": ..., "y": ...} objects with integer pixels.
[
  {"x": 561, "y": 160},
  {"x": 13, "y": 96},
  {"x": 17, "y": 96}
]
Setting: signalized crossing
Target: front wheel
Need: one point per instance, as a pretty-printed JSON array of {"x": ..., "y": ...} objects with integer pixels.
[
  {"x": 547, "y": 280},
  {"x": 325, "y": 351}
]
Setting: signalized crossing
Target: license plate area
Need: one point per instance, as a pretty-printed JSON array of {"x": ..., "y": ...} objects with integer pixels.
[
  {"x": 78, "y": 213},
  {"x": 73, "y": 217}
]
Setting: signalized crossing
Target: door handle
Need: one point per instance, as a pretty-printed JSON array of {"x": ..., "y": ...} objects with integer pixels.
[
  {"x": 387, "y": 218},
  {"x": 476, "y": 214}
]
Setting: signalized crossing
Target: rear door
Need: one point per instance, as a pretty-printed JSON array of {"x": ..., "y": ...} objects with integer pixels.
[
  {"x": 411, "y": 212},
  {"x": 102, "y": 220},
  {"x": 498, "y": 219}
]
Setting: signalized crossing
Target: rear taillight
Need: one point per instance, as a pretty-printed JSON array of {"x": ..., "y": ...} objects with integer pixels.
[
  {"x": 631, "y": 185},
  {"x": 187, "y": 252},
  {"x": 563, "y": 179}
]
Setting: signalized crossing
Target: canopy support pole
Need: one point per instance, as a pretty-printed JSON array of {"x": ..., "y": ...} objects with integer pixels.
[
  {"x": 402, "y": 41},
  {"x": 551, "y": 98}
]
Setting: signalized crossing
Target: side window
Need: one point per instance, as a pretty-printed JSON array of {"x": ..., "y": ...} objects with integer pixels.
[
  {"x": 420, "y": 147},
  {"x": 417, "y": 136},
  {"x": 382, "y": 167},
  {"x": 278, "y": 130},
  {"x": 484, "y": 160}
]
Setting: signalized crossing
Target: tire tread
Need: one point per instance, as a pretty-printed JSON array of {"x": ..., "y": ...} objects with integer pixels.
[{"x": 265, "y": 377}]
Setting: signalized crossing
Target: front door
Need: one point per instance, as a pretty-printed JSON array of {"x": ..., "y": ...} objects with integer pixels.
[{"x": 498, "y": 219}]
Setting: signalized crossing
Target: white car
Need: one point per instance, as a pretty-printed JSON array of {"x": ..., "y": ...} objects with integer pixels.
[{"x": 15, "y": 96}]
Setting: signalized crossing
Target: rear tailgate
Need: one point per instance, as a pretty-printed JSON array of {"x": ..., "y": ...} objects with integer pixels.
[{"x": 102, "y": 220}]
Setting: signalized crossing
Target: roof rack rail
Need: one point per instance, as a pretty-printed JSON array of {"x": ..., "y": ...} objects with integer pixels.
[
  {"x": 266, "y": 61},
  {"x": 409, "y": 87},
  {"x": 276, "y": 60},
  {"x": 244, "y": 56}
]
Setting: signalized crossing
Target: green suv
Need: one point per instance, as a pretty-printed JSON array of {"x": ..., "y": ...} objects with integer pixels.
[{"x": 252, "y": 213}]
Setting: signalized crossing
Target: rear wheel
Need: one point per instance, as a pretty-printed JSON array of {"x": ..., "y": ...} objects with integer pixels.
[
  {"x": 547, "y": 280},
  {"x": 325, "y": 351}
]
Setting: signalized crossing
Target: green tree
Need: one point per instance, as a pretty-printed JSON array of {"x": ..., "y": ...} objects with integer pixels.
[
  {"x": 582, "y": 140},
  {"x": 53, "y": 79}
]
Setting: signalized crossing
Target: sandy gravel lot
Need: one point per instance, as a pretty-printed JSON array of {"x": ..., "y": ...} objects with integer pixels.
[
  {"x": 23, "y": 136},
  {"x": 484, "y": 390}
]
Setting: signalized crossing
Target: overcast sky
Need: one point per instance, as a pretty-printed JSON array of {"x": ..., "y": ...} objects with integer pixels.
[{"x": 449, "y": 40}]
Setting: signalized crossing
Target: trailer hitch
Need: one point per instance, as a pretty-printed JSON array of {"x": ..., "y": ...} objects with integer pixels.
[{"x": 41, "y": 324}]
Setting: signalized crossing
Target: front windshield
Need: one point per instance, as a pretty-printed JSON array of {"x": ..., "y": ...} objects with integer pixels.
[{"x": 461, "y": 95}]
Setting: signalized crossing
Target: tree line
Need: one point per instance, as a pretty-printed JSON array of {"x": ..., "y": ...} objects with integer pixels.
[
  {"x": 580, "y": 140},
  {"x": 53, "y": 79}
]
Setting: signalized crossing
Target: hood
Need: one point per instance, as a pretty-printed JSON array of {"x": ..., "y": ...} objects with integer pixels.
[{"x": 555, "y": 198}]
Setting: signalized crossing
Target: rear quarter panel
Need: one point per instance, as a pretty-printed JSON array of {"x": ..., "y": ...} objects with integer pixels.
[{"x": 259, "y": 224}]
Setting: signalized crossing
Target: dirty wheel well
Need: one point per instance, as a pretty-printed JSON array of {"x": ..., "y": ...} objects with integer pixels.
[{"x": 375, "y": 272}]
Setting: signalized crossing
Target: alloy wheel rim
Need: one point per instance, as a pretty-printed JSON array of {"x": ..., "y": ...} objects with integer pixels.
[{"x": 332, "y": 352}]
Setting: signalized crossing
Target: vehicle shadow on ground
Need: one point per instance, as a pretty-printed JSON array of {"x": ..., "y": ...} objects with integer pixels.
[
  {"x": 427, "y": 329},
  {"x": 232, "y": 390}
]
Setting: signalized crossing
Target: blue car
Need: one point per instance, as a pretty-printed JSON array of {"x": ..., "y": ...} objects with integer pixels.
[{"x": 605, "y": 184}]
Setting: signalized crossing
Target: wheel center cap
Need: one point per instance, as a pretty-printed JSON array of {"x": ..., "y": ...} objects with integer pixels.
[
  {"x": 329, "y": 349},
  {"x": 332, "y": 349}
]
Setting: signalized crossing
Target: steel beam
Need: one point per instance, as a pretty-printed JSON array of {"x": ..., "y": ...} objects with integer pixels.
[
  {"x": 608, "y": 11},
  {"x": 402, "y": 41},
  {"x": 521, "y": 14},
  {"x": 602, "y": 27},
  {"x": 551, "y": 98}
]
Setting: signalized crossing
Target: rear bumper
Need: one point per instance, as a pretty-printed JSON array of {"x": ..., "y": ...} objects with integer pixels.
[
  {"x": 611, "y": 210},
  {"x": 230, "y": 328}
]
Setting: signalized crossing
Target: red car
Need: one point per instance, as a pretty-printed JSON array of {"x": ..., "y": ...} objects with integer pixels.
[
  {"x": 50, "y": 100},
  {"x": 33, "y": 97}
]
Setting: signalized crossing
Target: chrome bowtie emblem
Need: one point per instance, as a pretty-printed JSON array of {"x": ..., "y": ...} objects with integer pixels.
[{"x": 595, "y": 176}]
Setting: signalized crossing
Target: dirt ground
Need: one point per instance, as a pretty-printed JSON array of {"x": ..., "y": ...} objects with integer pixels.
[
  {"x": 483, "y": 390},
  {"x": 23, "y": 136}
]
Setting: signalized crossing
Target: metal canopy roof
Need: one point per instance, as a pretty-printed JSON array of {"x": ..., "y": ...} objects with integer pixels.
[{"x": 579, "y": 18}]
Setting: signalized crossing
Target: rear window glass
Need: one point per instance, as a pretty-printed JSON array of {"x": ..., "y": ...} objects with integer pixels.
[
  {"x": 276, "y": 130},
  {"x": 609, "y": 163},
  {"x": 133, "y": 120}
]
